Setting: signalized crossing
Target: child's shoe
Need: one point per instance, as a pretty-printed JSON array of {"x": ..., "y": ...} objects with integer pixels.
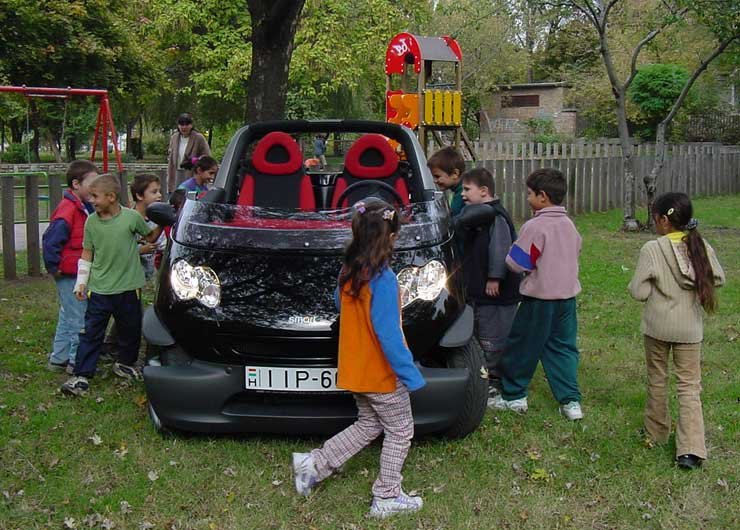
[
  {"x": 688, "y": 461},
  {"x": 382, "y": 508},
  {"x": 127, "y": 372},
  {"x": 517, "y": 405},
  {"x": 572, "y": 410},
  {"x": 75, "y": 386},
  {"x": 57, "y": 367},
  {"x": 70, "y": 369},
  {"x": 304, "y": 473}
]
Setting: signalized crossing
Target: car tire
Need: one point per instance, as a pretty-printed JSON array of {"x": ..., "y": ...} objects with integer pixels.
[
  {"x": 473, "y": 409},
  {"x": 160, "y": 427}
]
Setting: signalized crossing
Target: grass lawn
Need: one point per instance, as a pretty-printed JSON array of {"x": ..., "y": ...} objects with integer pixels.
[{"x": 96, "y": 462}]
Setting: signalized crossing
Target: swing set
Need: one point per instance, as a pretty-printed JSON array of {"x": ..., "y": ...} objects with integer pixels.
[{"x": 104, "y": 125}]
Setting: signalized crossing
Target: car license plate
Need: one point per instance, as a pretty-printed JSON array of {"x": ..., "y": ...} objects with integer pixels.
[{"x": 291, "y": 379}]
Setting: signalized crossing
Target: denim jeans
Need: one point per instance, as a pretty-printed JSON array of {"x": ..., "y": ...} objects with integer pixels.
[
  {"x": 125, "y": 308},
  {"x": 70, "y": 322}
]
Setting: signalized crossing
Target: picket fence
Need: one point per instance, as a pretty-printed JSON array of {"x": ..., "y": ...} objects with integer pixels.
[{"x": 594, "y": 173}]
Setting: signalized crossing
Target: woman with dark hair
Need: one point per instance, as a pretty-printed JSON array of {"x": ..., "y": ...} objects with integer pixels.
[
  {"x": 676, "y": 276},
  {"x": 185, "y": 144}
]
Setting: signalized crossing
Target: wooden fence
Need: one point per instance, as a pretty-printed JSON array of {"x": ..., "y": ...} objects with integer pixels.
[{"x": 593, "y": 172}]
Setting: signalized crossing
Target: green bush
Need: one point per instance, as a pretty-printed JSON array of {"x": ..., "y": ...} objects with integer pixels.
[
  {"x": 543, "y": 131},
  {"x": 157, "y": 145},
  {"x": 16, "y": 154}
]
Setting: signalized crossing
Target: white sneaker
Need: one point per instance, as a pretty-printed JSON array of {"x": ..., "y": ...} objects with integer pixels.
[
  {"x": 382, "y": 508},
  {"x": 517, "y": 405},
  {"x": 304, "y": 473},
  {"x": 572, "y": 411}
]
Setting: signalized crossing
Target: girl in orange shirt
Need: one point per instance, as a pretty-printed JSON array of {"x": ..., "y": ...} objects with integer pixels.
[{"x": 375, "y": 364}]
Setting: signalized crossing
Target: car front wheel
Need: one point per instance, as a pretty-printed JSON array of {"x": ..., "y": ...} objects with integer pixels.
[{"x": 469, "y": 356}]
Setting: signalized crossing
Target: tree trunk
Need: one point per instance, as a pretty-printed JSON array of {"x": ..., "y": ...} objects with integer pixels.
[
  {"x": 71, "y": 147},
  {"x": 629, "y": 223},
  {"x": 35, "y": 145},
  {"x": 52, "y": 140},
  {"x": 274, "y": 24},
  {"x": 16, "y": 131},
  {"x": 651, "y": 178}
]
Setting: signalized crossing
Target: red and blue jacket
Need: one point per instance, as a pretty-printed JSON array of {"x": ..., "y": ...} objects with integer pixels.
[
  {"x": 373, "y": 354},
  {"x": 62, "y": 240}
]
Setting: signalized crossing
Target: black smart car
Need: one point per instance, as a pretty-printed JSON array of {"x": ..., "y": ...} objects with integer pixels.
[{"x": 243, "y": 333}]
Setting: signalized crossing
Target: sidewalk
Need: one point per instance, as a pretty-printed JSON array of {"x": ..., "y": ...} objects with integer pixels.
[{"x": 20, "y": 236}]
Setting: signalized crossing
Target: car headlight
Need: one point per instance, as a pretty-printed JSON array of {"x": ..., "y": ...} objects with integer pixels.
[
  {"x": 190, "y": 282},
  {"x": 422, "y": 282}
]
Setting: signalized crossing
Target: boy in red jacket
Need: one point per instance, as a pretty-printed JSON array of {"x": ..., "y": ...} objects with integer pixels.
[{"x": 62, "y": 247}]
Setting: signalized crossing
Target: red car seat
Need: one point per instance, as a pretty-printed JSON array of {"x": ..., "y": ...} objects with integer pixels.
[
  {"x": 370, "y": 158},
  {"x": 275, "y": 176}
]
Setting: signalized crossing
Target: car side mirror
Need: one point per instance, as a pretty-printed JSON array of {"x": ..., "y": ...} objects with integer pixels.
[{"x": 161, "y": 213}]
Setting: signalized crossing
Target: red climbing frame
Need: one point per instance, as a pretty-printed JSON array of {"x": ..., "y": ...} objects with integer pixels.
[{"x": 104, "y": 124}]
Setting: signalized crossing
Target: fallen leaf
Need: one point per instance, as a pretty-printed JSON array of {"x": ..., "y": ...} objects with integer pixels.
[
  {"x": 229, "y": 472},
  {"x": 595, "y": 457},
  {"x": 145, "y": 525},
  {"x": 568, "y": 485},
  {"x": 483, "y": 372},
  {"x": 125, "y": 507},
  {"x": 438, "y": 489},
  {"x": 722, "y": 483},
  {"x": 153, "y": 475},
  {"x": 107, "y": 524},
  {"x": 534, "y": 454},
  {"x": 647, "y": 516},
  {"x": 95, "y": 439},
  {"x": 364, "y": 472},
  {"x": 540, "y": 473},
  {"x": 69, "y": 522},
  {"x": 276, "y": 482},
  {"x": 140, "y": 401},
  {"x": 173, "y": 463},
  {"x": 98, "y": 400}
]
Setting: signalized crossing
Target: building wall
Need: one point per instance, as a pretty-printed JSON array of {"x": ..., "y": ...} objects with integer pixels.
[{"x": 509, "y": 123}]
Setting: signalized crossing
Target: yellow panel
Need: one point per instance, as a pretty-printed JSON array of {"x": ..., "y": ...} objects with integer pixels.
[
  {"x": 437, "y": 107},
  {"x": 447, "y": 95},
  {"x": 457, "y": 108},
  {"x": 428, "y": 107}
]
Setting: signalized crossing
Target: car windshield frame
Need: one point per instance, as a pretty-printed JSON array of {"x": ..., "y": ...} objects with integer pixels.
[{"x": 231, "y": 227}]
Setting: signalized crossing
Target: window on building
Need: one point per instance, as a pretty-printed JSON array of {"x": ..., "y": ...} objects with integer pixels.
[{"x": 532, "y": 100}]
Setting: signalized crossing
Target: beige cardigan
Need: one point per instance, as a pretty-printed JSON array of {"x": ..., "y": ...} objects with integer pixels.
[{"x": 664, "y": 279}]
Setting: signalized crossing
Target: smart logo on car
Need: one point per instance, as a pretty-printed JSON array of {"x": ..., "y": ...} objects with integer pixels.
[{"x": 303, "y": 319}]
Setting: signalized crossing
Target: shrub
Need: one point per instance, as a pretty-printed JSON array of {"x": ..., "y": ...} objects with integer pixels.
[{"x": 16, "y": 154}]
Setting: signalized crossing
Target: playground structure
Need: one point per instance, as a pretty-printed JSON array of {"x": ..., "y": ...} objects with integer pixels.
[
  {"x": 435, "y": 103},
  {"x": 104, "y": 125}
]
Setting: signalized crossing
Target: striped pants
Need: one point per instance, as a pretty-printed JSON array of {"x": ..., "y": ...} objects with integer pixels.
[{"x": 388, "y": 413}]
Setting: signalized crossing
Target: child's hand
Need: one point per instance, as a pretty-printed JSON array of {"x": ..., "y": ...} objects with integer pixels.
[
  {"x": 492, "y": 288},
  {"x": 80, "y": 291},
  {"x": 147, "y": 248}
]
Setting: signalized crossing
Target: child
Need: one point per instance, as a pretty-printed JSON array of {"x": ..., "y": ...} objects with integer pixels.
[
  {"x": 205, "y": 169},
  {"x": 110, "y": 262},
  {"x": 145, "y": 190},
  {"x": 491, "y": 286},
  {"x": 374, "y": 364},
  {"x": 62, "y": 244},
  {"x": 319, "y": 150},
  {"x": 447, "y": 165},
  {"x": 545, "y": 325},
  {"x": 675, "y": 277}
]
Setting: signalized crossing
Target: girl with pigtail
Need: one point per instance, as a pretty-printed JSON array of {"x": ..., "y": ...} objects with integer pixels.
[
  {"x": 204, "y": 171},
  {"x": 676, "y": 276},
  {"x": 374, "y": 363}
]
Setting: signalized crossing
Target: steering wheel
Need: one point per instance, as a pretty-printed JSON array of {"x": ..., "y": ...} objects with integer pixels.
[{"x": 367, "y": 183}]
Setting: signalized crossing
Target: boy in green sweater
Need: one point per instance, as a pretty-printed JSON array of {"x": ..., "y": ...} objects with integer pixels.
[{"x": 110, "y": 269}]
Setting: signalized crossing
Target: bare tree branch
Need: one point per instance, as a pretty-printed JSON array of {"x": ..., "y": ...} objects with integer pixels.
[{"x": 649, "y": 37}]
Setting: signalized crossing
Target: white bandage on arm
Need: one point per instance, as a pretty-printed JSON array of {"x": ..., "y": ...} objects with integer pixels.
[{"x": 83, "y": 274}]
